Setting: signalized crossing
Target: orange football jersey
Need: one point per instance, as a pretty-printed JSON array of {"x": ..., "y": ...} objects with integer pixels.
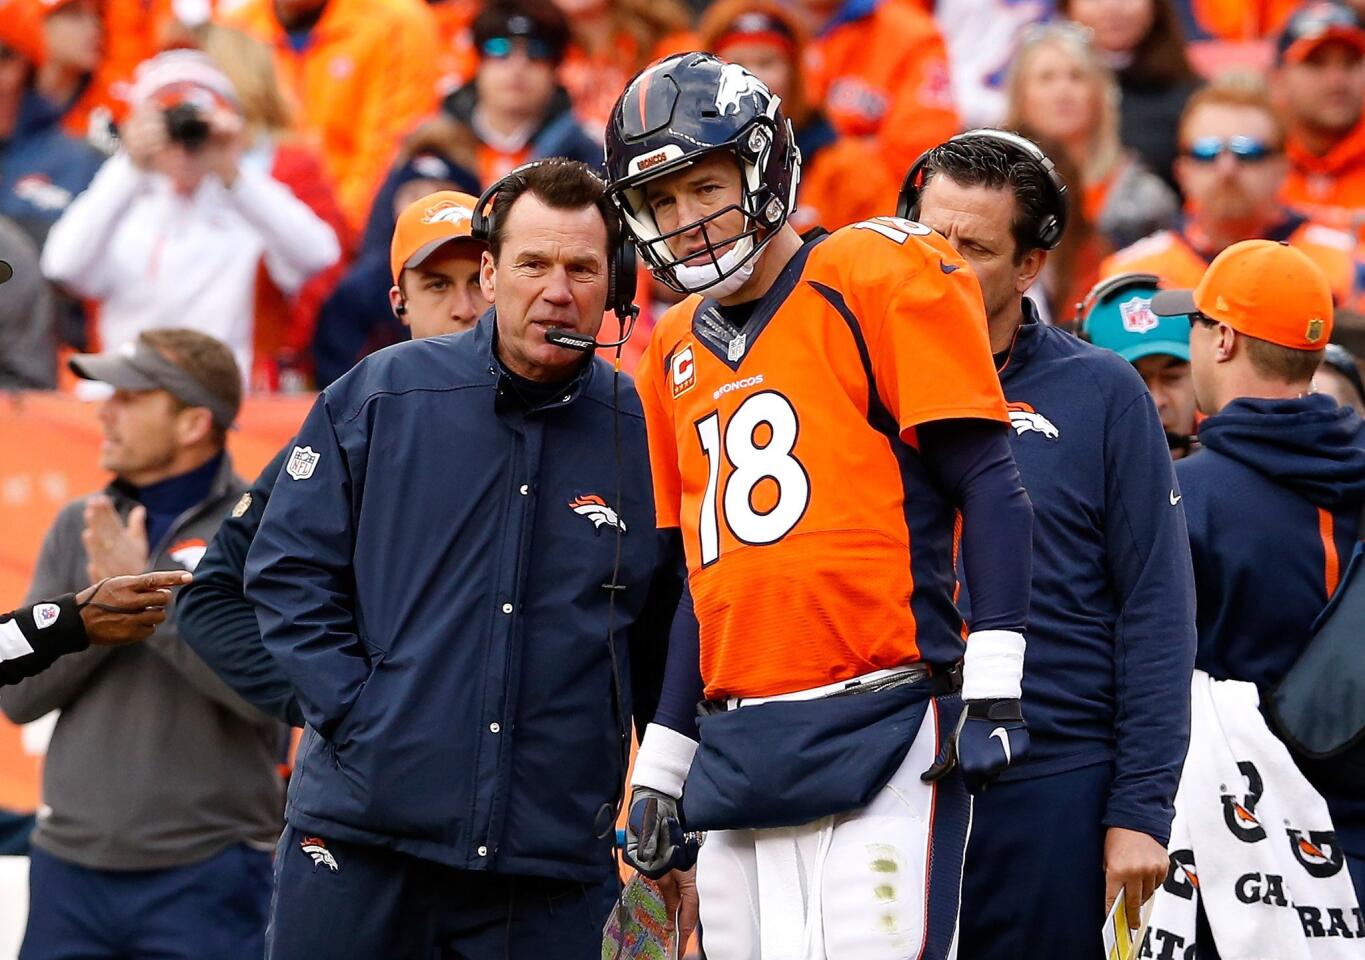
[{"x": 817, "y": 547}]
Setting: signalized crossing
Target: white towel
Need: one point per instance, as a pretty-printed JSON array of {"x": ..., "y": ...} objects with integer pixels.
[{"x": 1253, "y": 840}]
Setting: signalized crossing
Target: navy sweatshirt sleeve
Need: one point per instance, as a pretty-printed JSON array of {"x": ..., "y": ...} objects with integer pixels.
[
  {"x": 218, "y": 621},
  {"x": 682, "y": 689},
  {"x": 299, "y": 576},
  {"x": 650, "y": 640},
  {"x": 971, "y": 460},
  {"x": 1153, "y": 580}
]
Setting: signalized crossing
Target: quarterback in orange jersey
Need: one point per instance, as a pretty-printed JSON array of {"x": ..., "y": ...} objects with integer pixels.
[{"x": 824, "y": 420}]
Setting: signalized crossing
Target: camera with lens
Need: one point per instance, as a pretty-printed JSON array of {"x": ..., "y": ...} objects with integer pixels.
[{"x": 187, "y": 126}]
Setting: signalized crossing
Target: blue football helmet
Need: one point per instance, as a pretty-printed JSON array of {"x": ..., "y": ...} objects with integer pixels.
[{"x": 677, "y": 111}]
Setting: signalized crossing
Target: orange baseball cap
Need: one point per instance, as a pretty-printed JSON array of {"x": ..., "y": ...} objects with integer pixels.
[
  {"x": 427, "y": 223},
  {"x": 21, "y": 29},
  {"x": 1264, "y": 289}
]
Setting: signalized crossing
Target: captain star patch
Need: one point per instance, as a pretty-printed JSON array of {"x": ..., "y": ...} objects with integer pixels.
[
  {"x": 595, "y": 509},
  {"x": 302, "y": 462}
]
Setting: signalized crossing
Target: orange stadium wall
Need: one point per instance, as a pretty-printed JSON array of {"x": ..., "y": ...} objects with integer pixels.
[{"x": 53, "y": 456}]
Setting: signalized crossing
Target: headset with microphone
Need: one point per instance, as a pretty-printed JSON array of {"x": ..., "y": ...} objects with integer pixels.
[
  {"x": 620, "y": 269},
  {"x": 1053, "y": 225}
]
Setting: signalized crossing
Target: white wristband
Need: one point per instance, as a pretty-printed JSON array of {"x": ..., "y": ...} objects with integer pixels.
[
  {"x": 993, "y": 667},
  {"x": 663, "y": 760}
]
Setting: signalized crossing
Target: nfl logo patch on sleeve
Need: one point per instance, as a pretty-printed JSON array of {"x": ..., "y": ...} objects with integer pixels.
[
  {"x": 302, "y": 462},
  {"x": 45, "y": 615}
]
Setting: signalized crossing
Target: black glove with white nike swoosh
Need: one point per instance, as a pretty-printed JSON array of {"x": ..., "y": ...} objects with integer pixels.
[{"x": 990, "y": 736}]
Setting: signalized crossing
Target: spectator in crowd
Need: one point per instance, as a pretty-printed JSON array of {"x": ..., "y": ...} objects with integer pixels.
[
  {"x": 357, "y": 318},
  {"x": 454, "y": 23},
  {"x": 28, "y": 344},
  {"x": 69, "y": 78},
  {"x": 1111, "y": 621},
  {"x": 842, "y": 179},
  {"x": 361, "y": 72},
  {"x": 1142, "y": 43},
  {"x": 1339, "y": 378},
  {"x": 1117, "y": 315},
  {"x": 1231, "y": 170},
  {"x": 514, "y": 110},
  {"x": 1320, "y": 83},
  {"x": 1058, "y": 87},
  {"x": 284, "y": 324},
  {"x": 1274, "y": 501},
  {"x": 42, "y": 168},
  {"x": 435, "y": 264},
  {"x": 609, "y": 42},
  {"x": 1233, "y": 21},
  {"x": 161, "y": 797},
  {"x": 175, "y": 227},
  {"x": 982, "y": 36},
  {"x": 407, "y": 781},
  {"x": 879, "y": 69}
]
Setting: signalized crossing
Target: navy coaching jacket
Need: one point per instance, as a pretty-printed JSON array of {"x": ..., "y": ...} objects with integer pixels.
[{"x": 432, "y": 574}]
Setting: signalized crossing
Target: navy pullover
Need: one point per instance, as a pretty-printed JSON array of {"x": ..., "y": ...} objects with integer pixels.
[
  {"x": 1111, "y": 620},
  {"x": 1273, "y": 505}
]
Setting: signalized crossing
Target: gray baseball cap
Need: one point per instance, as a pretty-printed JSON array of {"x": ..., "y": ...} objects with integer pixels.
[{"x": 139, "y": 366}]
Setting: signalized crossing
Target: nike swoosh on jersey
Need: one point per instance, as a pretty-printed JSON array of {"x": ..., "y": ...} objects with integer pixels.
[
  {"x": 1176, "y": 499},
  {"x": 999, "y": 734},
  {"x": 947, "y": 267}
]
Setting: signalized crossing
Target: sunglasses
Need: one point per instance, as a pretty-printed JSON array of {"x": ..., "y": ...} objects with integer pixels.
[
  {"x": 1245, "y": 149},
  {"x": 1202, "y": 318},
  {"x": 500, "y": 48}
]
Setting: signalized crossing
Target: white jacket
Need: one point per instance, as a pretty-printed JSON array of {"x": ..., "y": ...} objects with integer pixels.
[{"x": 154, "y": 258}]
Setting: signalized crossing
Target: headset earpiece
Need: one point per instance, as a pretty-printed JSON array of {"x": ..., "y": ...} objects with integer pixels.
[{"x": 1053, "y": 225}]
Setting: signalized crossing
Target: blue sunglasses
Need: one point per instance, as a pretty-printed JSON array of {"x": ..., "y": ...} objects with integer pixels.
[
  {"x": 1245, "y": 149},
  {"x": 500, "y": 48}
]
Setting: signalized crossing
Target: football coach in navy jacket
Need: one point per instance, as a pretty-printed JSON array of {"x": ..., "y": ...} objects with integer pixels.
[
  {"x": 463, "y": 524},
  {"x": 1111, "y": 635}
]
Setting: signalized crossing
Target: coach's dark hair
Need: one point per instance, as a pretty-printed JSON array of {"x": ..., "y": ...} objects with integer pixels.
[
  {"x": 559, "y": 183},
  {"x": 985, "y": 162}
]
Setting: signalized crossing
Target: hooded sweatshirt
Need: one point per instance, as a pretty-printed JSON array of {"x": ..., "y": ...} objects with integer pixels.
[
  {"x": 1329, "y": 186},
  {"x": 1273, "y": 505}
]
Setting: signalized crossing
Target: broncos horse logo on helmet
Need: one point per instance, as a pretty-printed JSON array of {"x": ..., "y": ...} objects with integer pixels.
[{"x": 676, "y": 112}]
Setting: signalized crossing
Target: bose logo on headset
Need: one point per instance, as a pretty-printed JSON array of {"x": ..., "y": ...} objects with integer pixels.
[{"x": 1052, "y": 226}]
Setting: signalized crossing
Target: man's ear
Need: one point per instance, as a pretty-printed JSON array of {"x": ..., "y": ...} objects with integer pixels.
[
  {"x": 487, "y": 275},
  {"x": 193, "y": 425},
  {"x": 399, "y": 305},
  {"x": 1028, "y": 271},
  {"x": 1227, "y": 345}
]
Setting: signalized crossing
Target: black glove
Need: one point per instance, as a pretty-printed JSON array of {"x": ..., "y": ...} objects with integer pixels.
[
  {"x": 656, "y": 842},
  {"x": 990, "y": 736}
]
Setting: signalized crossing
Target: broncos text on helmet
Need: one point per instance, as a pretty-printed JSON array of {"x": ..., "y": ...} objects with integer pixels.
[{"x": 672, "y": 114}]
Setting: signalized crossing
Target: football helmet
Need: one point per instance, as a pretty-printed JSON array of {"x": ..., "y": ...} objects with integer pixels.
[{"x": 675, "y": 112}]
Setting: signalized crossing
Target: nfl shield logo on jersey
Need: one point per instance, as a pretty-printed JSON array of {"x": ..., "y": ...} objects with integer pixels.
[
  {"x": 1137, "y": 315},
  {"x": 302, "y": 462}
]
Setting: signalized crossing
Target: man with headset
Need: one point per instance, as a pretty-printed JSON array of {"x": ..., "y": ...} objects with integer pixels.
[
  {"x": 1111, "y": 627},
  {"x": 458, "y": 573}
]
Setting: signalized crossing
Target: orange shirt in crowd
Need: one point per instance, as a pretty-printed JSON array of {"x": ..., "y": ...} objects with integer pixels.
[
  {"x": 1238, "y": 20},
  {"x": 459, "y": 59},
  {"x": 1174, "y": 258},
  {"x": 880, "y": 71},
  {"x": 1331, "y": 187},
  {"x": 366, "y": 75},
  {"x": 133, "y": 31},
  {"x": 843, "y": 183},
  {"x": 595, "y": 81}
]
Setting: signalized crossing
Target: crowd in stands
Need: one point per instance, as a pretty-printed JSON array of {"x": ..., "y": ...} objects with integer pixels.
[{"x": 264, "y": 218}]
